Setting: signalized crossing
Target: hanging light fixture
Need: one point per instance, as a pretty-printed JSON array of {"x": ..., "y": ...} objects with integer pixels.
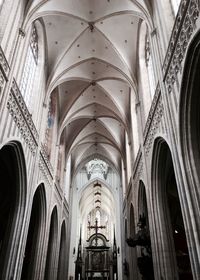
[
  {"x": 97, "y": 193},
  {"x": 97, "y": 184}
]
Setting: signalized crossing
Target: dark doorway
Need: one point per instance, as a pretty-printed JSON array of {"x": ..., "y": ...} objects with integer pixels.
[
  {"x": 37, "y": 222},
  {"x": 12, "y": 205}
]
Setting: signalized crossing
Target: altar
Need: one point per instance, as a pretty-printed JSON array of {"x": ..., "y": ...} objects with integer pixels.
[{"x": 98, "y": 258}]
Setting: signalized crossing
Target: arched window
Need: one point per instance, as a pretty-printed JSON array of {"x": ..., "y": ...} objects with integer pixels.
[
  {"x": 175, "y": 5},
  {"x": 29, "y": 72}
]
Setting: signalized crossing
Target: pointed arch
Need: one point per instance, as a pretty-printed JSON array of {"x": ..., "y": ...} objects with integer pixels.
[
  {"x": 35, "y": 237},
  {"x": 12, "y": 205},
  {"x": 62, "y": 272},
  {"x": 52, "y": 246},
  {"x": 189, "y": 118},
  {"x": 189, "y": 132},
  {"x": 168, "y": 215}
]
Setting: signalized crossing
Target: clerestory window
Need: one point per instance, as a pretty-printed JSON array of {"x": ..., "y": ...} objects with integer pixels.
[
  {"x": 29, "y": 72},
  {"x": 149, "y": 64}
]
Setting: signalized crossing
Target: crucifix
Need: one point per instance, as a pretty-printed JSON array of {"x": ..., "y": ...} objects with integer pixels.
[{"x": 96, "y": 227}]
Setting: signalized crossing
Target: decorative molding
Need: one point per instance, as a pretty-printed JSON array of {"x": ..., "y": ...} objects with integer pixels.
[
  {"x": 152, "y": 111},
  {"x": 184, "y": 26},
  {"x": 2, "y": 82},
  {"x": 138, "y": 172},
  {"x": 45, "y": 171},
  {"x": 46, "y": 160},
  {"x": 58, "y": 191},
  {"x": 22, "y": 118},
  {"x": 22, "y": 32},
  {"x": 5, "y": 69},
  {"x": 154, "y": 118},
  {"x": 45, "y": 166},
  {"x": 66, "y": 206},
  {"x": 137, "y": 160}
]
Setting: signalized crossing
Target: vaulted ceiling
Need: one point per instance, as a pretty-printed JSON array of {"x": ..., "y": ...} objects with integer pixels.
[{"x": 92, "y": 60}]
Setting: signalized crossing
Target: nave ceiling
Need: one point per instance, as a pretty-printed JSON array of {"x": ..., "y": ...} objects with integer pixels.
[{"x": 92, "y": 61}]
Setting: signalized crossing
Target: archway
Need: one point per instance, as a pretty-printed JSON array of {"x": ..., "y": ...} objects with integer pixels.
[
  {"x": 189, "y": 133},
  {"x": 35, "y": 235},
  {"x": 12, "y": 206},
  {"x": 190, "y": 114},
  {"x": 51, "y": 251},
  {"x": 168, "y": 212},
  {"x": 62, "y": 254}
]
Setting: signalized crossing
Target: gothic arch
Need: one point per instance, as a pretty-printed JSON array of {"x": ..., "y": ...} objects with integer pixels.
[
  {"x": 189, "y": 119},
  {"x": 62, "y": 272},
  {"x": 189, "y": 131},
  {"x": 12, "y": 205},
  {"x": 107, "y": 201},
  {"x": 168, "y": 224},
  {"x": 52, "y": 246},
  {"x": 35, "y": 237}
]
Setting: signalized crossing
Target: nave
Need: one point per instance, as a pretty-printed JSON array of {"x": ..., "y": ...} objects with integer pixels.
[{"x": 99, "y": 140}]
